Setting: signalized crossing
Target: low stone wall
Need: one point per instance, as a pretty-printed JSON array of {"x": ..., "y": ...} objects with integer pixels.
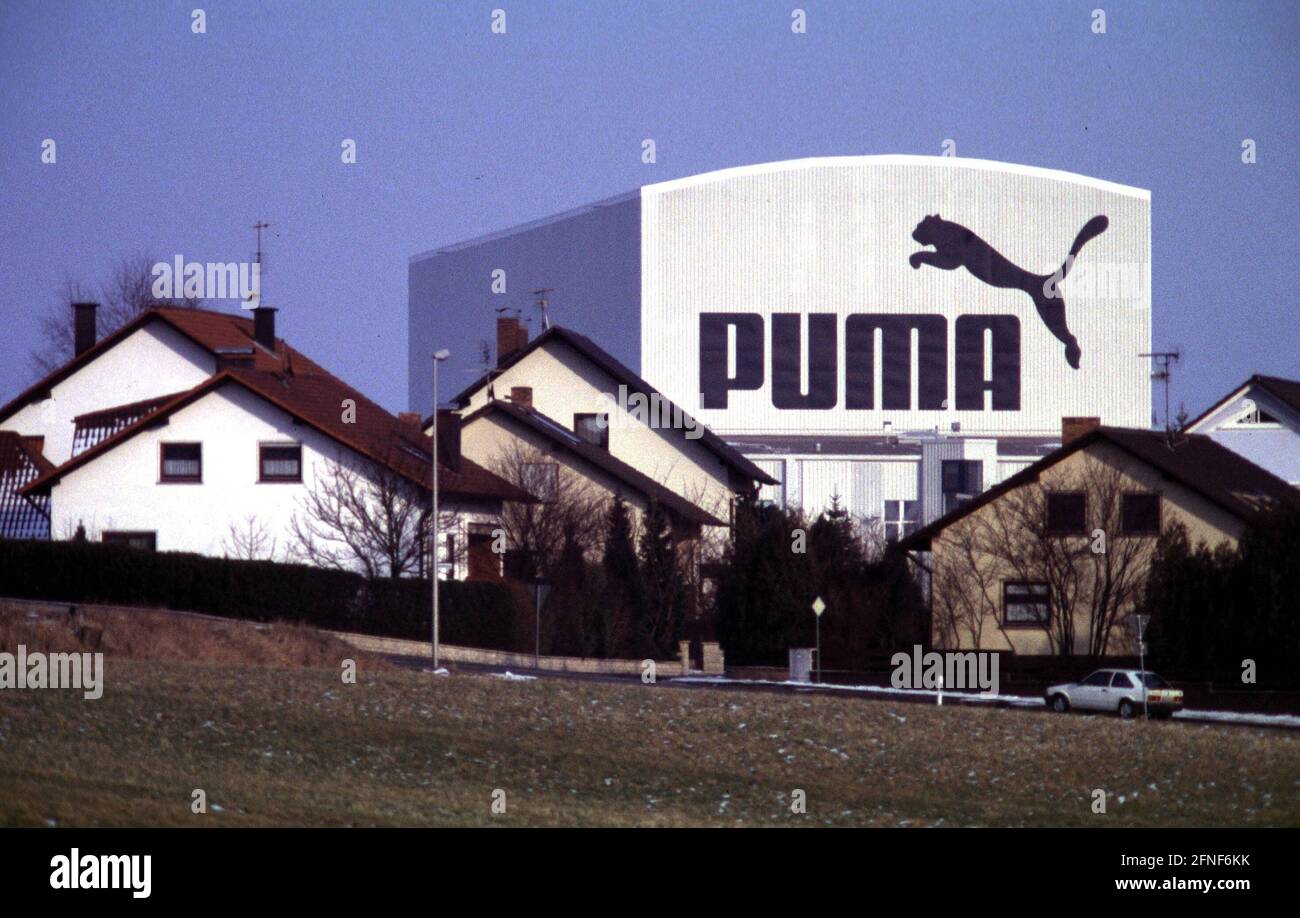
[{"x": 665, "y": 669}]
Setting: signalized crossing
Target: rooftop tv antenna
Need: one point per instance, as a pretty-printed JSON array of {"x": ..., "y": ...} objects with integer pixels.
[
  {"x": 1165, "y": 361},
  {"x": 256, "y": 295},
  {"x": 540, "y": 293}
]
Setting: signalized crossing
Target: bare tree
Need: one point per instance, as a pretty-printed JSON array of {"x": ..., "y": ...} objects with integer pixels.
[
  {"x": 125, "y": 294},
  {"x": 964, "y": 586},
  {"x": 570, "y": 508},
  {"x": 1094, "y": 579},
  {"x": 369, "y": 518},
  {"x": 249, "y": 540}
]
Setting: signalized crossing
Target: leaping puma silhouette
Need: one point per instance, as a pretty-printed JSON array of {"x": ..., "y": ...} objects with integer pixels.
[{"x": 957, "y": 247}]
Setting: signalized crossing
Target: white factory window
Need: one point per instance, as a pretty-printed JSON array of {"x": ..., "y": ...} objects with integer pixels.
[{"x": 901, "y": 518}]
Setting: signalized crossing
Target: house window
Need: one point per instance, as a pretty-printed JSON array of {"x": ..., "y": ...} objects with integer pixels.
[
  {"x": 594, "y": 428},
  {"x": 447, "y": 557},
  {"x": 143, "y": 541},
  {"x": 182, "y": 462},
  {"x": 1026, "y": 605},
  {"x": 1067, "y": 513},
  {"x": 902, "y": 517},
  {"x": 542, "y": 480},
  {"x": 962, "y": 480},
  {"x": 1140, "y": 514},
  {"x": 280, "y": 462}
]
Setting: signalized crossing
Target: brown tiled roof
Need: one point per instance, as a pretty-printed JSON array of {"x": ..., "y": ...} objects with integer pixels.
[
  {"x": 594, "y": 455},
  {"x": 1195, "y": 461},
  {"x": 304, "y": 389},
  {"x": 21, "y": 461},
  {"x": 612, "y": 366},
  {"x": 1288, "y": 390},
  {"x": 18, "y": 452},
  {"x": 94, "y": 426}
]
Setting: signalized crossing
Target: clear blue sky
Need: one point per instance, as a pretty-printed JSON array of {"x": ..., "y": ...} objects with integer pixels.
[{"x": 175, "y": 143}]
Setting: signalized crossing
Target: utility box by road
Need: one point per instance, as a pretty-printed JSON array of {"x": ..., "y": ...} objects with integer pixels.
[{"x": 801, "y": 664}]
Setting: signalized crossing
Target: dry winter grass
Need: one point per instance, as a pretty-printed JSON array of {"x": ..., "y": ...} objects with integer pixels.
[
  {"x": 298, "y": 747},
  {"x": 139, "y": 634}
]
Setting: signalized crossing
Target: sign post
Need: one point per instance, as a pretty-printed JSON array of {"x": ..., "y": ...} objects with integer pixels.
[
  {"x": 818, "y": 608},
  {"x": 1141, "y": 621},
  {"x": 438, "y": 357}
]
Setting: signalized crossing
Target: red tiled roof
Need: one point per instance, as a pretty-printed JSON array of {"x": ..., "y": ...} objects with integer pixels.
[
  {"x": 299, "y": 386},
  {"x": 18, "y": 452},
  {"x": 21, "y": 461}
]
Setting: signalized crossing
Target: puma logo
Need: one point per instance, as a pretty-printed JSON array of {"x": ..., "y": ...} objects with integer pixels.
[{"x": 957, "y": 247}]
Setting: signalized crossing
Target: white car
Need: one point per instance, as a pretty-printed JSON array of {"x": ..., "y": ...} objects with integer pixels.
[{"x": 1118, "y": 690}]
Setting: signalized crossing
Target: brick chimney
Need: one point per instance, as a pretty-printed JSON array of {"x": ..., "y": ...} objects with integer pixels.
[
  {"x": 83, "y": 327},
  {"x": 448, "y": 429},
  {"x": 410, "y": 420},
  {"x": 264, "y": 327},
  {"x": 522, "y": 396},
  {"x": 1073, "y": 428},
  {"x": 512, "y": 337}
]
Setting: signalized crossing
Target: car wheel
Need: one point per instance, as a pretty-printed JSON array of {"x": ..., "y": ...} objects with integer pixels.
[
  {"x": 1060, "y": 704},
  {"x": 1126, "y": 709}
]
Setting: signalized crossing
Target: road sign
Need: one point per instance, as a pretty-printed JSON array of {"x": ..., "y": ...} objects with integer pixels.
[{"x": 818, "y": 608}]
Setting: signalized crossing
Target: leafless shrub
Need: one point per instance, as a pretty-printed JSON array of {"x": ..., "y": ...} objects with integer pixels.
[
  {"x": 249, "y": 540},
  {"x": 125, "y": 294},
  {"x": 366, "y": 518}
]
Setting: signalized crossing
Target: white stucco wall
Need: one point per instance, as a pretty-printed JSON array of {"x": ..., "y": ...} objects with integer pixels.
[
  {"x": 1272, "y": 446},
  {"x": 564, "y": 384},
  {"x": 154, "y": 360},
  {"x": 120, "y": 490}
]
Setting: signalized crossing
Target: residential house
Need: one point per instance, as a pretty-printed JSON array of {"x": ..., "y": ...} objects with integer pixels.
[
  {"x": 565, "y": 396},
  {"x": 1260, "y": 419},
  {"x": 1078, "y": 528},
  {"x": 187, "y": 427}
]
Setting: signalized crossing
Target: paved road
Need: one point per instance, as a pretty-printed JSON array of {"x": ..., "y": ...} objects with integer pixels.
[{"x": 874, "y": 695}]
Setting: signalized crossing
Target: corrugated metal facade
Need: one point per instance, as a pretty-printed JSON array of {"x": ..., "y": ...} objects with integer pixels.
[{"x": 834, "y": 236}]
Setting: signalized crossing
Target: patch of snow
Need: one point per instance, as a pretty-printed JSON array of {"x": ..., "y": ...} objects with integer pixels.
[
  {"x": 1238, "y": 717},
  {"x": 512, "y": 677},
  {"x": 1020, "y": 701},
  {"x": 1017, "y": 700}
]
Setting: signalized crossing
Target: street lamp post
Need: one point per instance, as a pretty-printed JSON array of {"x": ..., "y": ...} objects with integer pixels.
[{"x": 433, "y": 550}]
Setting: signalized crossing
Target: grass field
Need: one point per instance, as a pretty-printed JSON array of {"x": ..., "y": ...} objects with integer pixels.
[{"x": 276, "y": 746}]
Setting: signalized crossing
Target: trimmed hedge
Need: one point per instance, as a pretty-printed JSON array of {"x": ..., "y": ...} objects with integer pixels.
[{"x": 491, "y": 615}]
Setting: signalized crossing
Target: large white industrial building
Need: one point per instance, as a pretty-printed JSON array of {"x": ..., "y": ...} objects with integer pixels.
[{"x": 899, "y": 332}]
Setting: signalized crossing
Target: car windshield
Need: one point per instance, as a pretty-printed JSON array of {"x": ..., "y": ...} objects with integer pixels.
[{"x": 1151, "y": 680}]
